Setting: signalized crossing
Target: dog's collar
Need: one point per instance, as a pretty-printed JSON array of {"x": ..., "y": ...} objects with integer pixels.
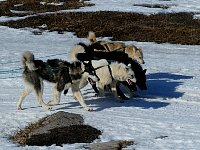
[{"x": 108, "y": 69}]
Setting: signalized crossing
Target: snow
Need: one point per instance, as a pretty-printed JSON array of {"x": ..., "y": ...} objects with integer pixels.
[{"x": 166, "y": 116}]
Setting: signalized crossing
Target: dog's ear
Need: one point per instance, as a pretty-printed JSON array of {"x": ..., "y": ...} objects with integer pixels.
[{"x": 129, "y": 49}]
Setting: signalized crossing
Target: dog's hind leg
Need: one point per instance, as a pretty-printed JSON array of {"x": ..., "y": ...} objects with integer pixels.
[
  {"x": 120, "y": 93},
  {"x": 56, "y": 97},
  {"x": 101, "y": 89},
  {"x": 77, "y": 94},
  {"x": 39, "y": 92},
  {"x": 23, "y": 95}
]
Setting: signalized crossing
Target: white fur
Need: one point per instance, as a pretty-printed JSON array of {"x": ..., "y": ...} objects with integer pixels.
[
  {"x": 119, "y": 72},
  {"x": 74, "y": 51}
]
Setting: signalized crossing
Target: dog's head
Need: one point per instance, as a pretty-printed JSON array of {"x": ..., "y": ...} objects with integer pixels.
[
  {"x": 28, "y": 60},
  {"x": 123, "y": 72},
  {"x": 75, "y": 71},
  {"x": 139, "y": 75},
  {"x": 135, "y": 53},
  {"x": 131, "y": 75},
  {"x": 91, "y": 37},
  {"x": 89, "y": 72}
]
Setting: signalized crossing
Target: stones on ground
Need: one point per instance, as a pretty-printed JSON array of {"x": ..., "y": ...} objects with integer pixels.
[
  {"x": 112, "y": 145},
  {"x": 59, "y": 128}
]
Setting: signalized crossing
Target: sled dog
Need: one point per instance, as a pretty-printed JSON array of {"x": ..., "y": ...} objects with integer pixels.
[
  {"x": 64, "y": 75},
  {"x": 109, "y": 46},
  {"x": 110, "y": 74},
  {"x": 84, "y": 52}
]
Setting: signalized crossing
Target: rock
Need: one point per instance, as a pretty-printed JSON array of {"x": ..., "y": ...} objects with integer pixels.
[
  {"x": 58, "y": 120},
  {"x": 59, "y": 128},
  {"x": 112, "y": 145}
]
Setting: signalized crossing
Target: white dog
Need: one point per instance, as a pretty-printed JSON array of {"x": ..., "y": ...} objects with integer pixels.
[{"x": 110, "y": 74}]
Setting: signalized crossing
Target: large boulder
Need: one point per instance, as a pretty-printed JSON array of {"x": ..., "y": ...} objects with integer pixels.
[{"x": 59, "y": 128}]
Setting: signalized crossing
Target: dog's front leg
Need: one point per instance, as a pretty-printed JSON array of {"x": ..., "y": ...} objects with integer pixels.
[
  {"x": 77, "y": 94},
  {"x": 101, "y": 89},
  {"x": 114, "y": 90},
  {"x": 39, "y": 92},
  {"x": 119, "y": 92}
]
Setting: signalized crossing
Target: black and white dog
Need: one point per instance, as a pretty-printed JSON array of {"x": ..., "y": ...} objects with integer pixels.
[{"x": 62, "y": 73}]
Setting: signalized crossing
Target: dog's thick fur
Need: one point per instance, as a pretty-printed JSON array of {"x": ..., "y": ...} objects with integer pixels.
[
  {"x": 109, "y": 46},
  {"x": 110, "y": 74},
  {"x": 64, "y": 75},
  {"x": 83, "y": 52}
]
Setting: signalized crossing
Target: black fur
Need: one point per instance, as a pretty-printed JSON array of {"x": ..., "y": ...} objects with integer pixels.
[
  {"x": 56, "y": 71},
  {"x": 119, "y": 56}
]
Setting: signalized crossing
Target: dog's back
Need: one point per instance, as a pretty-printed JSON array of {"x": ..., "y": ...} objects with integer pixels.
[{"x": 109, "y": 46}]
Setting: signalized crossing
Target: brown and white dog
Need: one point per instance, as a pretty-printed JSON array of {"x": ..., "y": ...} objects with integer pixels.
[{"x": 109, "y": 46}]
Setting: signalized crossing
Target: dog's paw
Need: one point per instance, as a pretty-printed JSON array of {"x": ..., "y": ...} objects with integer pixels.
[
  {"x": 47, "y": 108},
  {"x": 19, "y": 108},
  {"x": 88, "y": 109}
]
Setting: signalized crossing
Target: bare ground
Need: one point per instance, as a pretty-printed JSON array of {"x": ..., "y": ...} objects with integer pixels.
[{"x": 177, "y": 28}]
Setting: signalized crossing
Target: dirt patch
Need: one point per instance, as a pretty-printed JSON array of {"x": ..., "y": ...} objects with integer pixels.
[
  {"x": 59, "y": 128},
  {"x": 177, "y": 28},
  {"x": 28, "y": 7}
]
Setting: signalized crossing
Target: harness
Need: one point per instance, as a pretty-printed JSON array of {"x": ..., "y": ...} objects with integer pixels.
[
  {"x": 109, "y": 68},
  {"x": 52, "y": 70}
]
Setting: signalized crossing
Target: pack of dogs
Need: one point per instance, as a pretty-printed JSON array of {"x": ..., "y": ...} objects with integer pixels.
[{"x": 107, "y": 66}]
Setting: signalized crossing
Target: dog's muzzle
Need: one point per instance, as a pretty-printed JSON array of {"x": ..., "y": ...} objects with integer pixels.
[{"x": 131, "y": 81}]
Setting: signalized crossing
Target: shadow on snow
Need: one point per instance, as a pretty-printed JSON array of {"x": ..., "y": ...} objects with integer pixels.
[
  {"x": 160, "y": 85},
  {"x": 163, "y": 85}
]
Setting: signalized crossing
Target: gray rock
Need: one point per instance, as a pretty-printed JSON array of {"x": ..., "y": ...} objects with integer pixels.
[
  {"x": 112, "y": 145},
  {"x": 61, "y": 128},
  {"x": 58, "y": 120}
]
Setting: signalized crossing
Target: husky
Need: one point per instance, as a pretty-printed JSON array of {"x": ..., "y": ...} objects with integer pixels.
[
  {"x": 110, "y": 74},
  {"x": 64, "y": 75},
  {"x": 109, "y": 46},
  {"x": 85, "y": 52}
]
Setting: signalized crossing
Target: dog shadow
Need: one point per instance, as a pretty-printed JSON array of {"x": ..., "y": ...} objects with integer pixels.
[
  {"x": 99, "y": 104},
  {"x": 160, "y": 85},
  {"x": 163, "y": 85}
]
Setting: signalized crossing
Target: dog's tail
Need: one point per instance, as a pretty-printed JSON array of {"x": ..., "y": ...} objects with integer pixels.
[
  {"x": 81, "y": 48},
  {"x": 28, "y": 61},
  {"x": 76, "y": 50},
  {"x": 92, "y": 37}
]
